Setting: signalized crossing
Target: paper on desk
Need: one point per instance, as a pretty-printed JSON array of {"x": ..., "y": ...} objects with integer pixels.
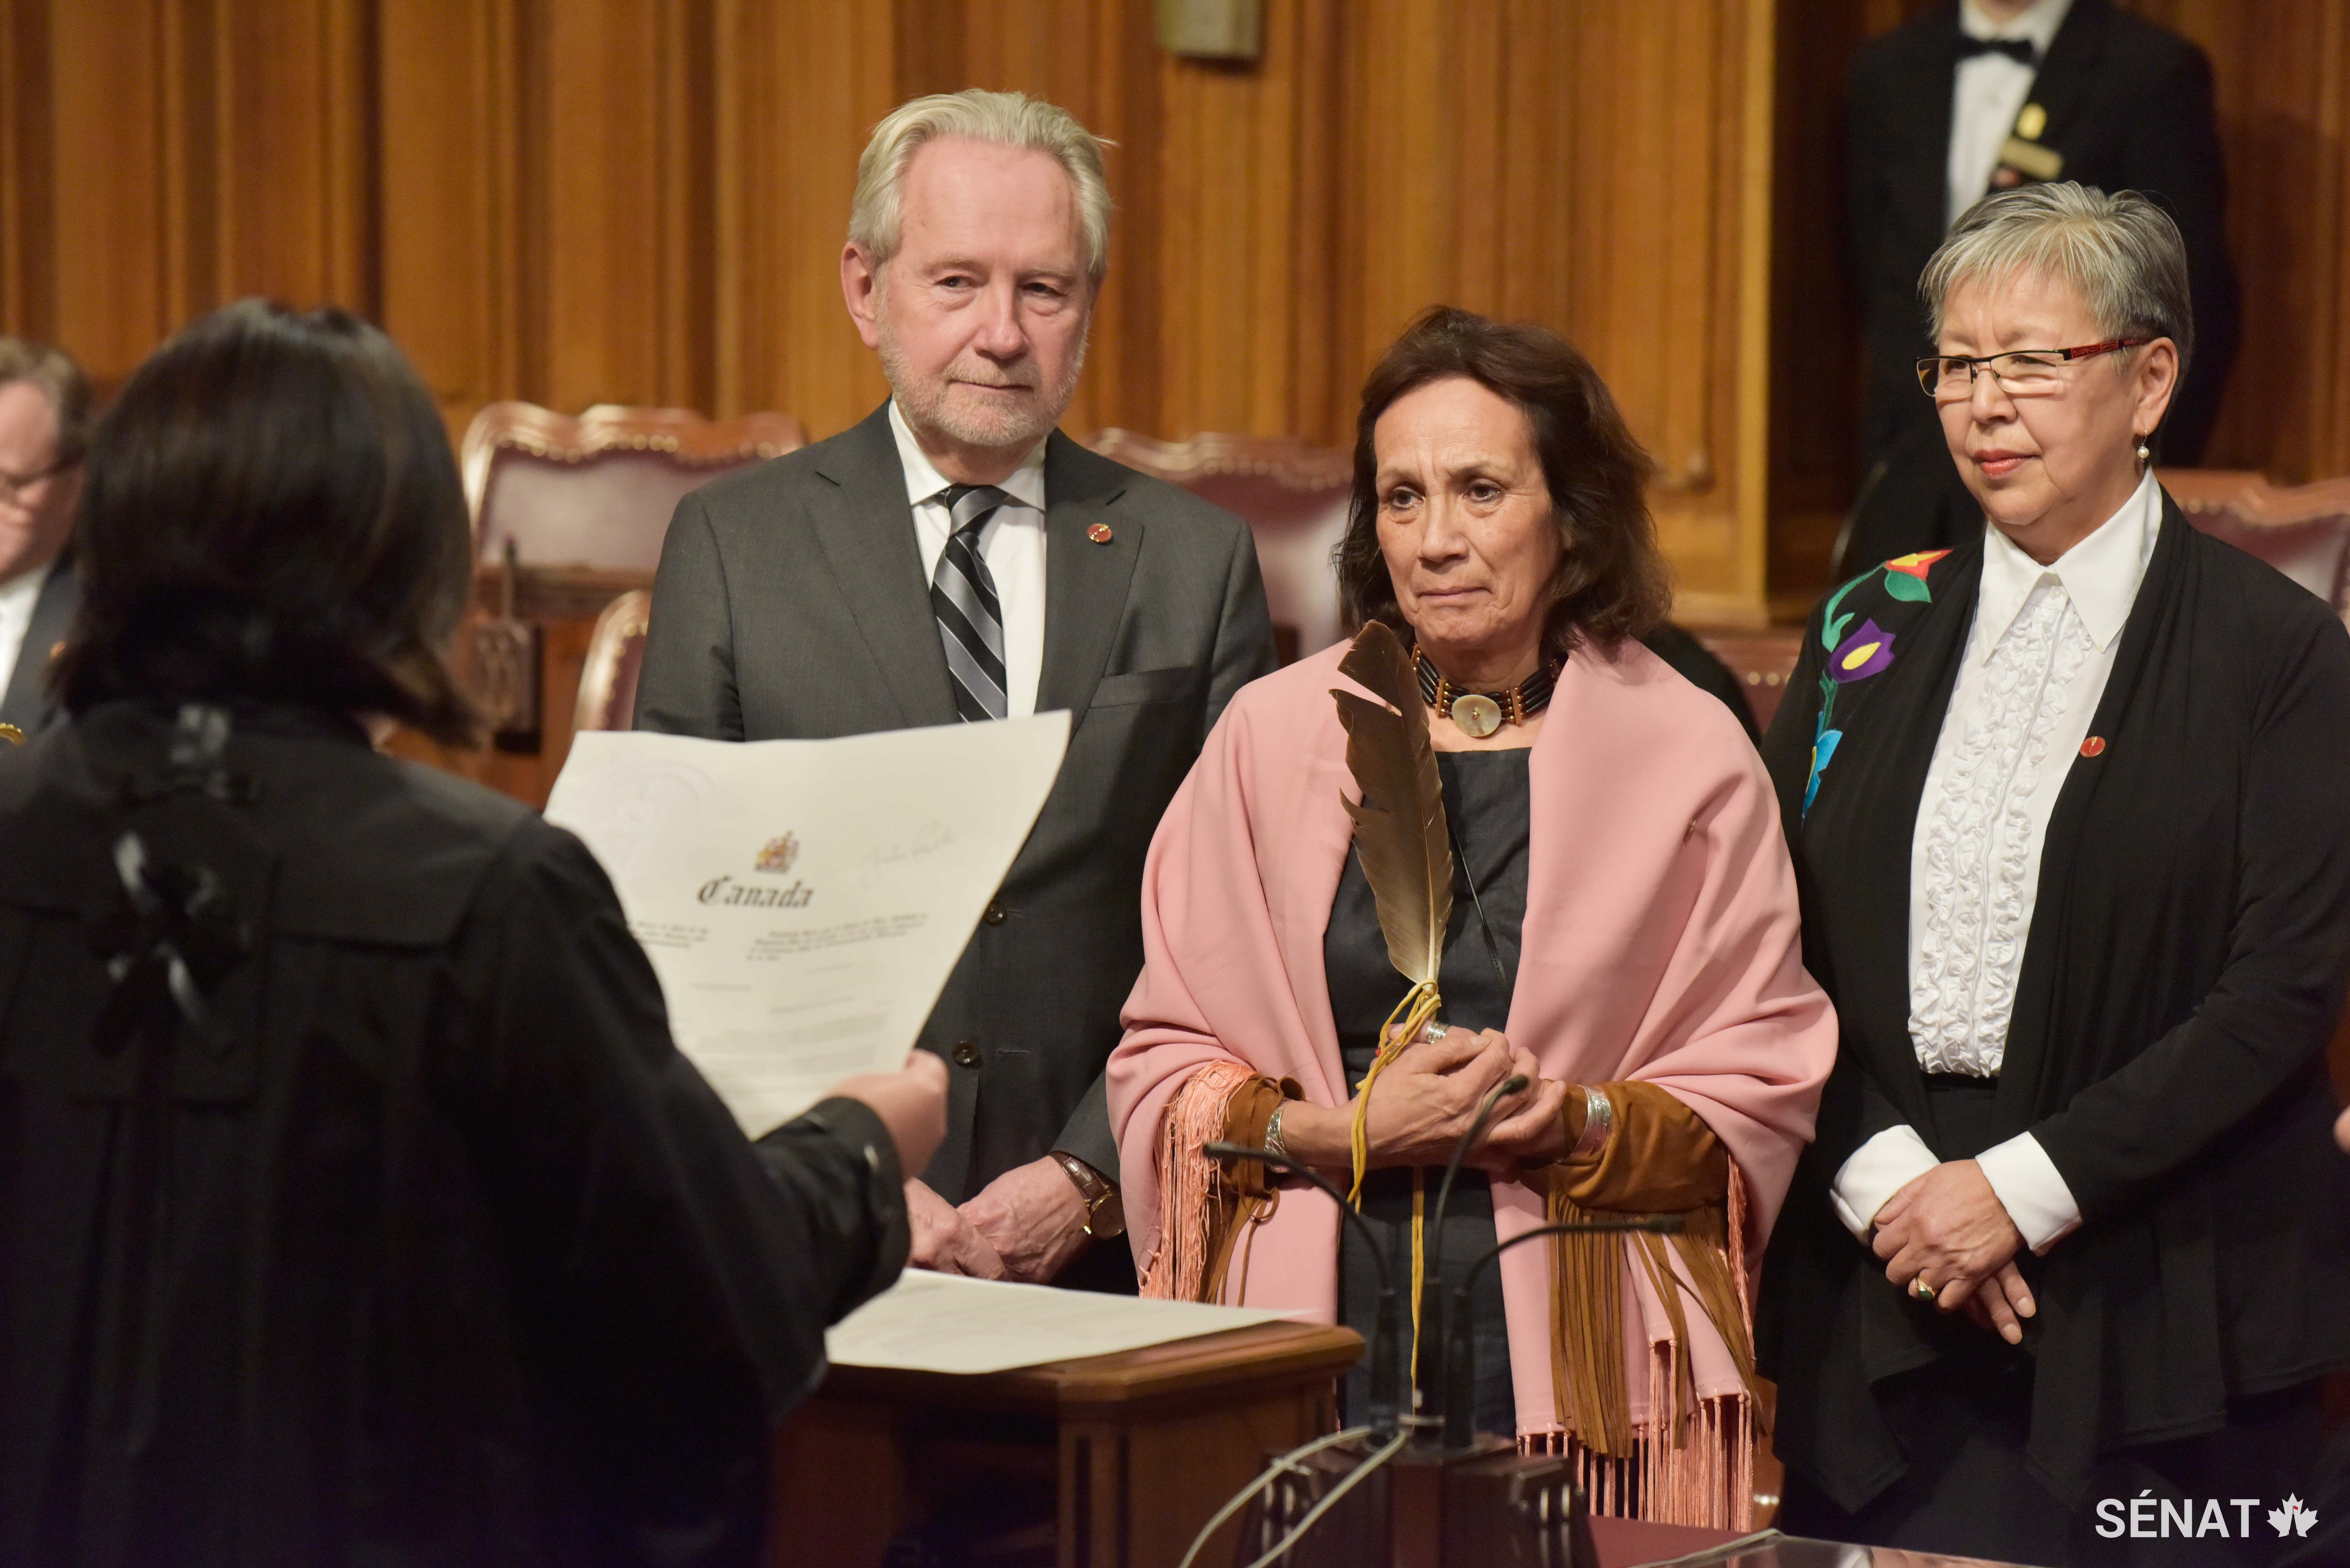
[
  {"x": 803, "y": 901},
  {"x": 946, "y": 1323}
]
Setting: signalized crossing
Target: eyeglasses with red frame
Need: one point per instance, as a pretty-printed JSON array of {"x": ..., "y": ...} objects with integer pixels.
[{"x": 2021, "y": 373}]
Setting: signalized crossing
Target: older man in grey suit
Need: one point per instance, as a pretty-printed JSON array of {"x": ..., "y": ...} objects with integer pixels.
[{"x": 954, "y": 558}]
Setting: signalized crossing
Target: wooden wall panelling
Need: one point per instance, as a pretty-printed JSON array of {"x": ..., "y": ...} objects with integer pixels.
[
  {"x": 2283, "y": 74},
  {"x": 641, "y": 200},
  {"x": 27, "y": 153},
  {"x": 607, "y": 83},
  {"x": 454, "y": 229},
  {"x": 800, "y": 86},
  {"x": 98, "y": 226}
]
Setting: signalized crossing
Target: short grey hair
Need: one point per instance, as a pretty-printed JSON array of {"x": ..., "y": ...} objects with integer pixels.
[
  {"x": 2121, "y": 253},
  {"x": 1003, "y": 119},
  {"x": 62, "y": 380}
]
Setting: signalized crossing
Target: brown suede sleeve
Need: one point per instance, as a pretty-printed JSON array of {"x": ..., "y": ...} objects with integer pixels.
[
  {"x": 1245, "y": 1115},
  {"x": 1660, "y": 1157}
]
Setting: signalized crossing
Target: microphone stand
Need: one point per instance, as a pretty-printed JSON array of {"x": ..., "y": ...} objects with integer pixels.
[
  {"x": 1460, "y": 1349},
  {"x": 1436, "y": 1309},
  {"x": 1387, "y": 1358}
]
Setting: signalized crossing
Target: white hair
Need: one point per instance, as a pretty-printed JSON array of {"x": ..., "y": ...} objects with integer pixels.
[
  {"x": 2121, "y": 253},
  {"x": 1003, "y": 119}
]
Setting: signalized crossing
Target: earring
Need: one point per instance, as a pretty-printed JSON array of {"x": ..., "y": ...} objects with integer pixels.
[{"x": 2143, "y": 455}]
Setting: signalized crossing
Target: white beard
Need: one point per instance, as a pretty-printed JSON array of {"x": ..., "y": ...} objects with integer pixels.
[{"x": 997, "y": 424}]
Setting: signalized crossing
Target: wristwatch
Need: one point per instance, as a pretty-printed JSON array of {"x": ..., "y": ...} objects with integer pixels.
[{"x": 1105, "y": 1215}]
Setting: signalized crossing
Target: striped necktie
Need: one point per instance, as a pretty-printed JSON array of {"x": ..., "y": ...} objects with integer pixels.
[{"x": 962, "y": 599}]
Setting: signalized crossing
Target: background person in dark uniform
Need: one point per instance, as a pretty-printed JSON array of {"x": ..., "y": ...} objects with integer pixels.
[
  {"x": 355, "y": 1206},
  {"x": 1985, "y": 95}
]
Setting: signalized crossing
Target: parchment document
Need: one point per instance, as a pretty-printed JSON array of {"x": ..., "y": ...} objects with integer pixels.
[
  {"x": 945, "y": 1322},
  {"x": 803, "y": 901}
]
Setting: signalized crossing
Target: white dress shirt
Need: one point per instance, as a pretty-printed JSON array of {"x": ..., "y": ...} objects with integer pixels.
[
  {"x": 2038, "y": 654},
  {"x": 1012, "y": 543},
  {"x": 1990, "y": 91},
  {"x": 18, "y": 595}
]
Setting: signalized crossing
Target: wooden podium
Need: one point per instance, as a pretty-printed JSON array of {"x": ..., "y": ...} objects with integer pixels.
[{"x": 1113, "y": 1461}]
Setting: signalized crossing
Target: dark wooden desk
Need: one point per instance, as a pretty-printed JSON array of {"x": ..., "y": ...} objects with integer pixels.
[{"x": 1113, "y": 1461}]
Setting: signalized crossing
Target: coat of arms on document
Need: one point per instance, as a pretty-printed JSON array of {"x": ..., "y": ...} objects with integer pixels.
[{"x": 778, "y": 854}]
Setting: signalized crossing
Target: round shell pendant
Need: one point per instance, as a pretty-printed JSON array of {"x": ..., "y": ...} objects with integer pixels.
[{"x": 1477, "y": 714}]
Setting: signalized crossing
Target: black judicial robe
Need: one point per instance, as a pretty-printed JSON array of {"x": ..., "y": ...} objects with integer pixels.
[
  {"x": 443, "y": 1253},
  {"x": 2184, "y": 971}
]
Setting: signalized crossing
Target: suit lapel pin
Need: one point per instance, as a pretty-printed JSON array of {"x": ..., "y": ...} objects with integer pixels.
[
  {"x": 2032, "y": 122},
  {"x": 1099, "y": 533},
  {"x": 2093, "y": 746}
]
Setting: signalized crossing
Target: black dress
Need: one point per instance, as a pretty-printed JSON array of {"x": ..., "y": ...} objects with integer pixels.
[
  {"x": 428, "y": 1246},
  {"x": 1487, "y": 800}
]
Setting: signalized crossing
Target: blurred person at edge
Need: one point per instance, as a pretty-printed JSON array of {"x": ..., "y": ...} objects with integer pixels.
[
  {"x": 953, "y": 556},
  {"x": 44, "y": 414},
  {"x": 2070, "y": 806},
  {"x": 355, "y": 1206}
]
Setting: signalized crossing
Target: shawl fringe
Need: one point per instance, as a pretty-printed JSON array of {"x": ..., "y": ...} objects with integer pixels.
[
  {"x": 1692, "y": 1462},
  {"x": 1207, "y": 1207}
]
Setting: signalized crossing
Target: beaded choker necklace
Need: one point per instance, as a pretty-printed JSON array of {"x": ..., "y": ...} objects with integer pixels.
[{"x": 1480, "y": 713}]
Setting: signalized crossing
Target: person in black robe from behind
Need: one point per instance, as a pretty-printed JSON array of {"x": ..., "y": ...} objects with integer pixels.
[{"x": 355, "y": 1205}]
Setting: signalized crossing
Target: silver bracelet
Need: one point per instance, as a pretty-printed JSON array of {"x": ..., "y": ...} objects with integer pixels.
[
  {"x": 1272, "y": 1144},
  {"x": 1598, "y": 1122}
]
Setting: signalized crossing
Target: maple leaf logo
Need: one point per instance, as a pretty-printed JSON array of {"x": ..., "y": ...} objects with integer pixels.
[{"x": 2292, "y": 1519}]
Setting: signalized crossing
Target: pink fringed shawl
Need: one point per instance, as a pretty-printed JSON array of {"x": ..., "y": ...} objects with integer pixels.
[{"x": 1661, "y": 943}]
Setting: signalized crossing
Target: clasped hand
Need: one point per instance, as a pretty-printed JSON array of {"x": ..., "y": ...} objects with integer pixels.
[
  {"x": 1950, "y": 1228},
  {"x": 1427, "y": 1097}
]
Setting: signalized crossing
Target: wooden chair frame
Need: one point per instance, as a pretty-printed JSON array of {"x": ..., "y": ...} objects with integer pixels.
[
  {"x": 1286, "y": 460},
  {"x": 681, "y": 434}
]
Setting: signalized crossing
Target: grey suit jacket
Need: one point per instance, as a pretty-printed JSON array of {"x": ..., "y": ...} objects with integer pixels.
[
  {"x": 26, "y": 703},
  {"x": 791, "y": 603}
]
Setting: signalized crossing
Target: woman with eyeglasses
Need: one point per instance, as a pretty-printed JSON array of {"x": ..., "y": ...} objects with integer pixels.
[{"x": 2070, "y": 807}]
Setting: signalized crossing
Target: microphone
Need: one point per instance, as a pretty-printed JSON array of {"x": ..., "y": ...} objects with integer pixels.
[
  {"x": 1386, "y": 1359},
  {"x": 1434, "y": 1310},
  {"x": 1461, "y": 1350}
]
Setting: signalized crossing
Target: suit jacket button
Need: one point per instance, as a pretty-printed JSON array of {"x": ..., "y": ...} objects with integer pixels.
[
  {"x": 995, "y": 913},
  {"x": 965, "y": 1053}
]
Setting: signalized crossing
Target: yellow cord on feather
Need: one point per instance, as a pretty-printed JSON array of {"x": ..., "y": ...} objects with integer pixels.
[
  {"x": 1418, "y": 1267},
  {"x": 1403, "y": 1026},
  {"x": 1417, "y": 1008}
]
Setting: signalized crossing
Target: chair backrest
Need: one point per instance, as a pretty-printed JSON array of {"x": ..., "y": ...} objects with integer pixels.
[
  {"x": 1762, "y": 659},
  {"x": 1293, "y": 499},
  {"x": 597, "y": 490},
  {"x": 2304, "y": 530},
  {"x": 616, "y": 654}
]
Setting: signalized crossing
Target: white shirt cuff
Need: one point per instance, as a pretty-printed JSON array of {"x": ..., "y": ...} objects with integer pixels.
[
  {"x": 2032, "y": 1190},
  {"x": 1876, "y": 1170}
]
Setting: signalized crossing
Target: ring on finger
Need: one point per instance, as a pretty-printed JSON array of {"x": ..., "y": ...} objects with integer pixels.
[
  {"x": 1438, "y": 1031},
  {"x": 1923, "y": 1291}
]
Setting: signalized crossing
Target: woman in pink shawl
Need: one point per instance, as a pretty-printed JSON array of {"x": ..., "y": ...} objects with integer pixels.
[{"x": 1623, "y": 932}]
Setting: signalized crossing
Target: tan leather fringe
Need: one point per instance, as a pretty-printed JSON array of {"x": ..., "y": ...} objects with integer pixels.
[
  {"x": 1197, "y": 1218},
  {"x": 1692, "y": 1460},
  {"x": 1586, "y": 1315}
]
